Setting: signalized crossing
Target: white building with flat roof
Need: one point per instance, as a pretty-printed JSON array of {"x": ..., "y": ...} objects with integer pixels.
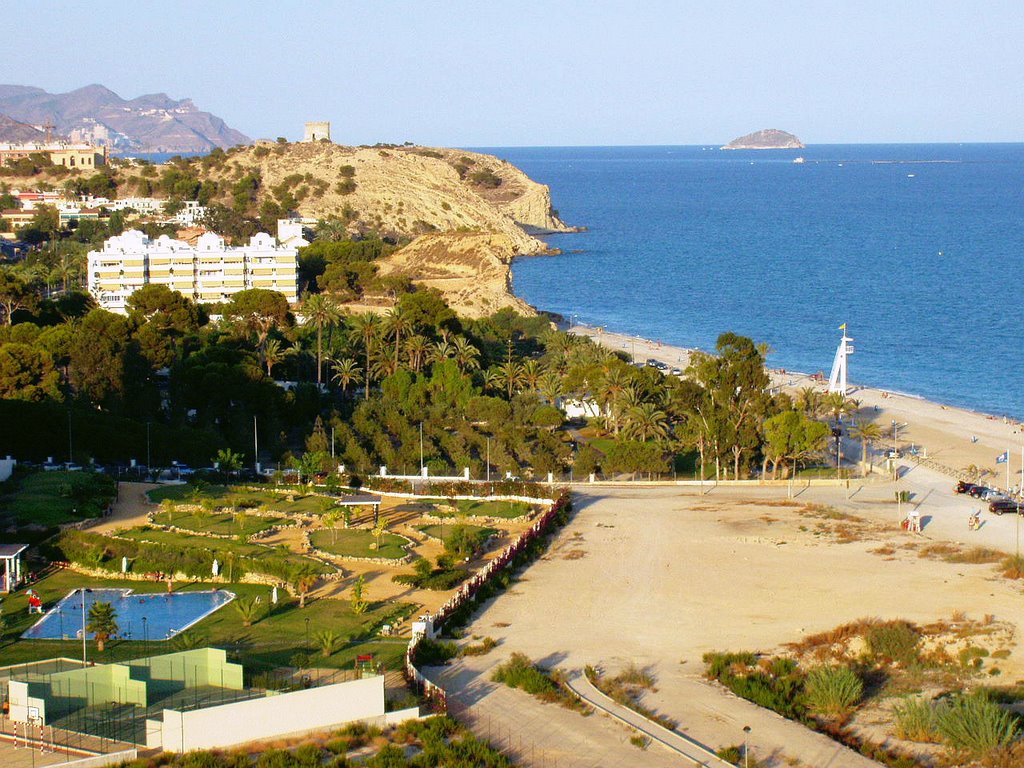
[{"x": 209, "y": 272}]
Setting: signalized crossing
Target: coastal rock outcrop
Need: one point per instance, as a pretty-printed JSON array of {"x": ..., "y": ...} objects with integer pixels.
[
  {"x": 769, "y": 138},
  {"x": 472, "y": 271},
  {"x": 402, "y": 191}
]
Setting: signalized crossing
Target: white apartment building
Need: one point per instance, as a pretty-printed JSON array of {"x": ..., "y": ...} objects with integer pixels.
[{"x": 210, "y": 272}]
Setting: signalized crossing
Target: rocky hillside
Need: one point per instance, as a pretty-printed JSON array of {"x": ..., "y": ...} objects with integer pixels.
[
  {"x": 470, "y": 270},
  {"x": 17, "y": 133},
  {"x": 405, "y": 191},
  {"x": 151, "y": 123},
  {"x": 770, "y": 138}
]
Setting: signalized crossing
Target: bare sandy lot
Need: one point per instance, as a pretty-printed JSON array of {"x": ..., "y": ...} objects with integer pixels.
[{"x": 658, "y": 576}]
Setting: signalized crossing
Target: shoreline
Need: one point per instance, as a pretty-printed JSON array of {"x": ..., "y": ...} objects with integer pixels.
[{"x": 951, "y": 438}]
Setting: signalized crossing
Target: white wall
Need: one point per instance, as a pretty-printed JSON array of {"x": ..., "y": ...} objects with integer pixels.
[
  {"x": 257, "y": 719},
  {"x": 6, "y": 468}
]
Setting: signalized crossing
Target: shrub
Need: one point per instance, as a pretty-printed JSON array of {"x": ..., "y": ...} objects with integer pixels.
[
  {"x": 485, "y": 646},
  {"x": 519, "y": 672},
  {"x": 485, "y": 177},
  {"x": 975, "y": 724},
  {"x": 432, "y": 653},
  {"x": 915, "y": 720},
  {"x": 893, "y": 641},
  {"x": 832, "y": 691}
]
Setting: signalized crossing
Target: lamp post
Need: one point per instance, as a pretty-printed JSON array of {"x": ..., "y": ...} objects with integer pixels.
[
  {"x": 488, "y": 462},
  {"x": 145, "y": 637},
  {"x": 84, "y": 659},
  {"x": 421, "y": 449},
  {"x": 746, "y": 748}
]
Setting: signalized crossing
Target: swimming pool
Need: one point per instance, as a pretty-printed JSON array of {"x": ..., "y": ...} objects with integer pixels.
[{"x": 143, "y": 616}]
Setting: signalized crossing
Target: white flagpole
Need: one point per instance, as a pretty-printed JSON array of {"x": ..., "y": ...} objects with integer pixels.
[{"x": 1007, "y": 469}]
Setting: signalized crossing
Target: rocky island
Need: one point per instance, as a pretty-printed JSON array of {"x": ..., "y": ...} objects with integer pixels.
[{"x": 770, "y": 138}]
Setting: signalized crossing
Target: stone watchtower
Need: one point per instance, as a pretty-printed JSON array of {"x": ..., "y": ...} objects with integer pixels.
[{"x": 317, "y": 131}]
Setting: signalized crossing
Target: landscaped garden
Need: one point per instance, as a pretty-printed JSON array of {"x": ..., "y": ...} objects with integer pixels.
[
  {"x": 469, "y": 508},
  {"x": 461, "y": 540},
  {"x": 220, "y": 523},
  {"x": 359, "y": 542},
  {"x": 52, "y": 498},
  {"x": 277, "y": 636}
]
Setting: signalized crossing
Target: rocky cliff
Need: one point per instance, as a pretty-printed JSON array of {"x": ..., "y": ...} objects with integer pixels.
[
  {"x": 770, "y": 138},
  {"x": 470, "y": 270},
  {"x": 404, "y": 191}
]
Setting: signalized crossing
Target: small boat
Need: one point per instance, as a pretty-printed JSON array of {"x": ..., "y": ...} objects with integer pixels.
[{"x": 799, "y": 160}]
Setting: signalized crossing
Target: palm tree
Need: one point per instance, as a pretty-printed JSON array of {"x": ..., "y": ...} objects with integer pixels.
[
  {"x": 509, "y": 376},
  {"x": 530, "y": 371},
  {"x": 320, "y": 310},
  {"x": 229, "y": 461},
  {"x": 808, "y": 401},
  {"x": 366, "y": 326},
  {"x": 249, "y": 610},
  {"x": 612, "y": 387},
  {"x": 304, "y": 582},
  {"x": 331, "y": 229},
  {"x": 397, "y": 322},
  {"x": 550, "y": 387},
  {"x": 329, "y": 641},
  {"x": 837, "y": 405},
  {"x": 466, "y": 355},
  {"x": 443, "y": 350},
  {"x": 645, "y": 422},
  {"x": 102, "y": 623},
  {"x": 416, "y": 349},
  {"x": 274, "y": 353},
  {"x": 867, "y": 433},
  {"x": 346, "y": 371}
]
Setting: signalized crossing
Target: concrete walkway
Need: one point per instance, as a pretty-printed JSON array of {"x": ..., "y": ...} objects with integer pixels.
[{"x": 695, "y": 753}]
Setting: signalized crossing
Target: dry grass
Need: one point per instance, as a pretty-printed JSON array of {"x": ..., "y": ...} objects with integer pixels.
[{"x": 953, "y": 553}]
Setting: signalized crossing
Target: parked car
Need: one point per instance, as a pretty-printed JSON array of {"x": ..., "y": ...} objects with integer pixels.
[
  {"x": 963, "y": 486},
  {"x": 990, "y": 494},
  {"x": 1000, "y": 506}
]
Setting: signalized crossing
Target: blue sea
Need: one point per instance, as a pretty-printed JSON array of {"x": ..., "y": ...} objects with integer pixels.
[{"x": 919, "y": 249}]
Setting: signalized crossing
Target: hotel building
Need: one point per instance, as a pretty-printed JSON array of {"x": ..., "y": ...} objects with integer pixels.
[{"x": 209, "y": 272}]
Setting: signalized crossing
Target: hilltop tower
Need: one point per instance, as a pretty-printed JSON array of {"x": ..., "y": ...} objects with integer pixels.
[{"x": 317, "y": 131}]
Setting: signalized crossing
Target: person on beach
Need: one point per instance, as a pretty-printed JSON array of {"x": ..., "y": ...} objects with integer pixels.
[
  {"x": 913, "y": 521},
  {"x": 974, "y": 521}
]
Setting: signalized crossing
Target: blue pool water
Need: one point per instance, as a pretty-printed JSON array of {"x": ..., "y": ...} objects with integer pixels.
[
  {"x": 157, "y": 616},
  {"x": 918, "y": 248}
]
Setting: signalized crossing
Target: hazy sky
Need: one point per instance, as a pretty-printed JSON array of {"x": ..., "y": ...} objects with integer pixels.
[{"x": 501, "y": 72}]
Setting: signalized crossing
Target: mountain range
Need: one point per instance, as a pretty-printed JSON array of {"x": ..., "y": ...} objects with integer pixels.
[{"x": 150, "y": 123}]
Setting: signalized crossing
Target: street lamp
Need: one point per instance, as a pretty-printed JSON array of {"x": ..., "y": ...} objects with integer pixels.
[
  {"x": 84, "y": 660},
  {"x": 421, "y": 449},
  {"x": 307, "y": 639},
  {"x": 746, "y": 750}
]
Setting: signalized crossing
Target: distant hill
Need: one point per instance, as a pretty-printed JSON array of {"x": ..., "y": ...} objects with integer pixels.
[
  {"x": 150, "y": 123},
  {"x": 17, "y": 133},
  {"x": 770, "y": 138}
]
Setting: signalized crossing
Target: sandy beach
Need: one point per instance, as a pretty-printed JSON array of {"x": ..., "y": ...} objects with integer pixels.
[{"x": 951, "y": 439}]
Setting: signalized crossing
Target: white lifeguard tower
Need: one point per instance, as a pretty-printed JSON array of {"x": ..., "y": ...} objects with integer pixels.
[{"x": 837, "y": 379}]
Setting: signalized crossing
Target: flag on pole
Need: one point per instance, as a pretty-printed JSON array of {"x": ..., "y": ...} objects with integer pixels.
[
  {"x": 1003, "y": 457},
  {"x": 842, "y": 327}
]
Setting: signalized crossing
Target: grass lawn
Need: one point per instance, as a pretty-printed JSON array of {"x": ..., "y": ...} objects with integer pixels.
[
  {"x": 270, "y": 642},
  {"x": 603, "y": 444},
  {"x": 221, "y": 523},
  {"x": 438, "y": 531},
  {"x": 469, "y": 508},
  {"x": 218, "y": 547},
  {"x": 185, "y": 492},
  {"x": 243, "y": 497},
  {"x": 821, "y": 472},
  {"x": 355, "y": 542},
  {"x": 52, "y": 498}
]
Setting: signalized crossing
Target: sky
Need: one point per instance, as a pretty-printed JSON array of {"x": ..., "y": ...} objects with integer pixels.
[{"x": 510, "y": 73}]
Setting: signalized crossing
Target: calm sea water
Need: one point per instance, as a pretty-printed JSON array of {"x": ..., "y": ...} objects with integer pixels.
[{"x": 918, "y": 248}]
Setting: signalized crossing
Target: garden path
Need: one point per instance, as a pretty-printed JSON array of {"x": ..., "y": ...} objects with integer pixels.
[{"x": 130, "y": 509}]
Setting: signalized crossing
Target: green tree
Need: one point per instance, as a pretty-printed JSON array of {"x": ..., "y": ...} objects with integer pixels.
[
  {"x": 868, "y": 433},
  {"x": 258, "y": 310},
  {"x": 346, "y": 371},
  {"x": 15, "y": 294},
  {"x": 791, "y": 437},
  {"x": 229, "y": 461},
  {"x": 322, "y": 312},
  {"x": 359, "y": 603},
  {"x": 99, "y": 357},
  {"x": 367, "y": 328},
  {"x": 27, "y": 373},
  {"x": 102, "y": 623}
]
